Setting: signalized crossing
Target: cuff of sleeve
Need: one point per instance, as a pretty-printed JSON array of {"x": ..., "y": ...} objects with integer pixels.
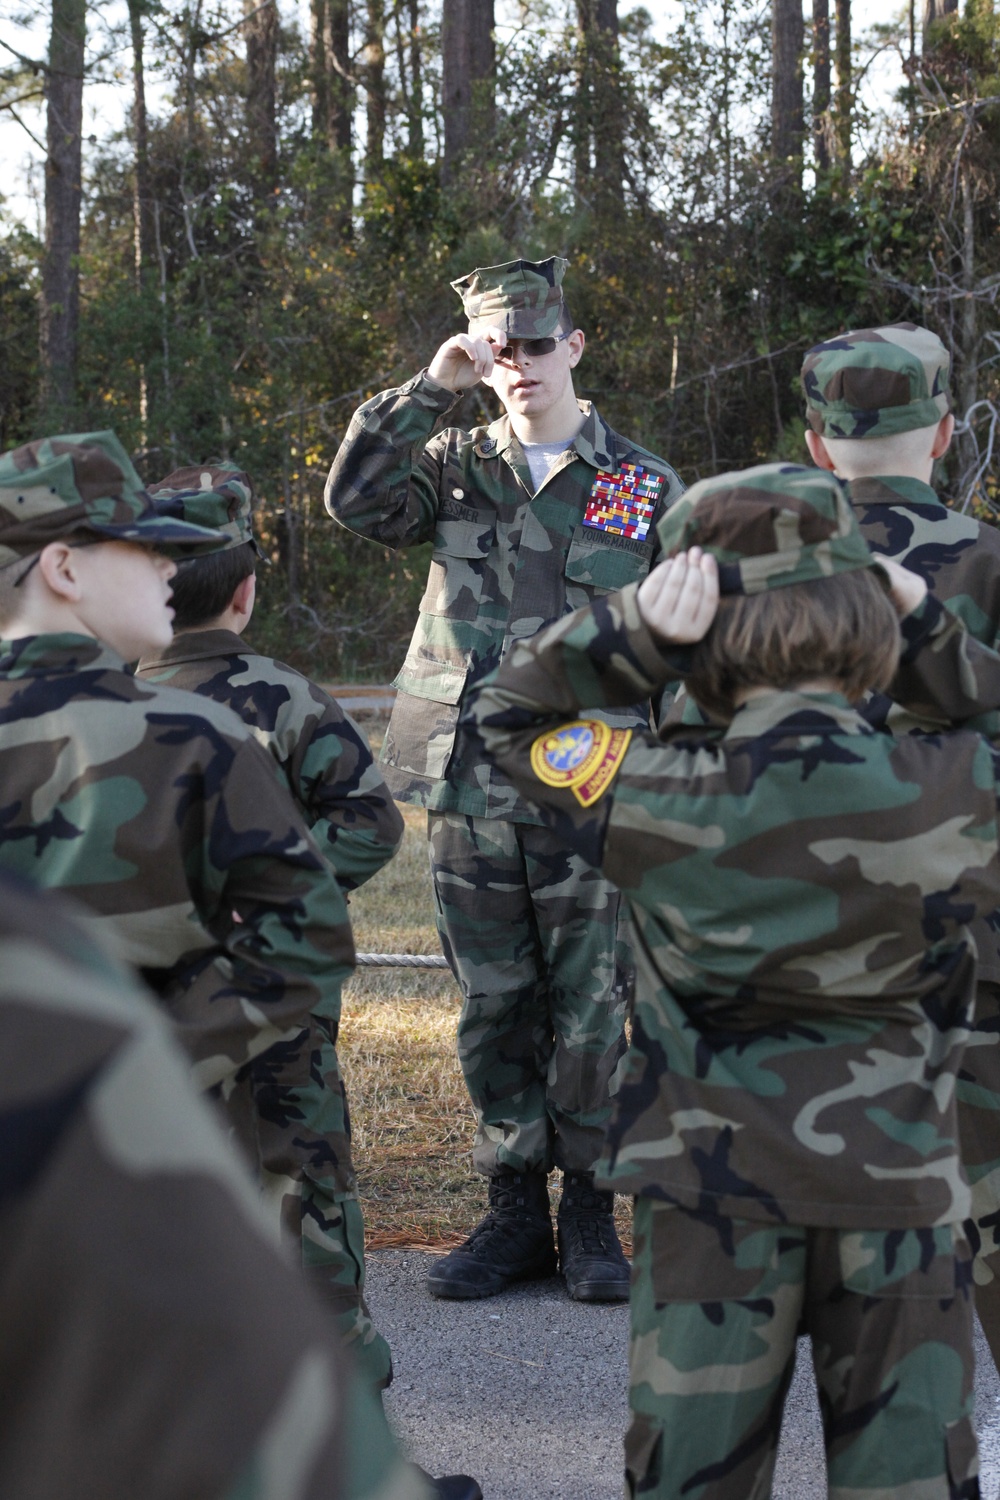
[
  {"x": 433, "y": 391},
  {"x": 919, "y": 626}
]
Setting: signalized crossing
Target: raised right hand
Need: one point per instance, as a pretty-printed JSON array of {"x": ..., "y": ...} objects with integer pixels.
[{"x": 462, "y": 361}]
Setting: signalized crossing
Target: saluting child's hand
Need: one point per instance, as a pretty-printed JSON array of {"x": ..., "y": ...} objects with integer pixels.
[
  {"x": 679, "y": 599},
  {"x": 907, "y": 590}
]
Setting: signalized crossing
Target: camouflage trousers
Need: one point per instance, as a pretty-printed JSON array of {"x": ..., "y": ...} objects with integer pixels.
[
  {"x": 716, "y": 1306},
  {"x": 531, "y": 934},
  {"x": 978, "y": 1094},
  {"x": 290, "y": 1110}
]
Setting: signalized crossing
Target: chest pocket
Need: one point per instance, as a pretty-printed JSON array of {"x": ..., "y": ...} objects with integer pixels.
[
  {"x": 594, "y": 566},
  {"x": 461, "y": 578}
]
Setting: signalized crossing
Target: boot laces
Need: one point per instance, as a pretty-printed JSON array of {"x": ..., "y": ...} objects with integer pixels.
[{"x": 593, "y": 1233}]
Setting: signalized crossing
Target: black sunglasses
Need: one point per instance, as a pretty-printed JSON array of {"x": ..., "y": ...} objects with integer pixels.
[{"x": 533, "y": 348}]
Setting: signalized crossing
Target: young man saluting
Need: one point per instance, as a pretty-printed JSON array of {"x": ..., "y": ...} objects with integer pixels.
[{"x": 531, "y": 517}]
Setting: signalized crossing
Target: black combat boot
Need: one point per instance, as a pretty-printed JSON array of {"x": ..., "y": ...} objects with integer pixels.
[
  {"x": 452, "y": 1486},
  {"x": 513, "y": 1242},
  {"x": 590, "y": 1253}
]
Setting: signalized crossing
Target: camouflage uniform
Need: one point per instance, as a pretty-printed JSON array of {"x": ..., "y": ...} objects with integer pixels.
[
  {"x": 875, "y": 382},
  {"x": 153, "y": 1341},
  {"x": 799, "y": 887},
  {"x": 161, "y": 813},
  {"x": 528, "y": 928},
  {"x": 323, "y": 754}
]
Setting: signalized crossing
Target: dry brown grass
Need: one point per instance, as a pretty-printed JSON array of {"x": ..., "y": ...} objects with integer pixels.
[{"x": 411, "y": 1117}]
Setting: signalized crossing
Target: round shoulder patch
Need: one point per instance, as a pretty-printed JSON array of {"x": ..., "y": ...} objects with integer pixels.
[{"x": 581, "y": 757}]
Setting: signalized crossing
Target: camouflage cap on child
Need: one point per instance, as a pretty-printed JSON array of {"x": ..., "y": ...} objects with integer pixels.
[
  {"x": 521, "y": 298},
  {"x": 215, "y": 494},
  {"x": 768, "y": 527},
  {"x": 874, "y": 382},
  {"x": 83, "y": 484}
]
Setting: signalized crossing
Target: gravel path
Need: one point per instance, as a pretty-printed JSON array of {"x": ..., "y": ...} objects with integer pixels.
[{"x": 527, "y": 1391}]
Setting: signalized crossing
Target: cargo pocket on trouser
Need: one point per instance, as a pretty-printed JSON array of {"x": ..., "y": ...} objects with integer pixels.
[
  {"x": 890, "y": 1316},
  {"x": 714, "y": 1310},
  {"x": 963, "y": 1460},
  {"x": 643, "y": 1450}
]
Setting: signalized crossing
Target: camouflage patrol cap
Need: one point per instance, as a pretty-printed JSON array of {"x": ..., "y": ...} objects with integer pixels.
[
  {"x": 521, "y": 298},
  {"x": 219, "y": 495},
  {"x": 83, "y": 484},
  {"x": 768, "y": 527},
  {"x": 874, "y": 382}
]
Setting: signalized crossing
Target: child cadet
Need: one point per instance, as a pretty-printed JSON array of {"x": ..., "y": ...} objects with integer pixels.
[
  {"x": 160, "y": 812},
  {"x": 879, "y": 415},
  {"x": 799, "y": 886},
  {"x": 530, "y": 517},
  {"x": 323, "y": 754}
]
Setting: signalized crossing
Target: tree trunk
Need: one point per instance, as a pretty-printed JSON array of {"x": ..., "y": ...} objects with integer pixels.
[
  {"x": 60, "y": 301},
  {"x": 374, "y": 81},
  {"x": 416, "y": 120},
  {"x": 821, "y": 84},
  {"x": 408, "y": 63},
  {"x": 261, "y": 29},
  {"x": 142, "y": 206},
  {"x": 968, "y": 380},
  {"x": 317, "y": 68},
  {"x": 845, "y": 98},
  {"x": 599, "y": 25},
  {"x": 468, "y": 78},
  {"x": 143, "y": 234},
  {"x": 787, "y": 103},
  {"x": 338, "y": 53},
  {"x": 936, "y": 10}
]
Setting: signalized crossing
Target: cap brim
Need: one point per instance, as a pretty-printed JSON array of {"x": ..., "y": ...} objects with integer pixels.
[{"x": 175, "y": 538}]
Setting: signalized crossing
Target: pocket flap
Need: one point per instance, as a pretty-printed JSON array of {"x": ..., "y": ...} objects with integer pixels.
[
  {"x": 457, "y": 538},
  {"x": 426, "y": 675},
  {"x": 603, "y": 565}
]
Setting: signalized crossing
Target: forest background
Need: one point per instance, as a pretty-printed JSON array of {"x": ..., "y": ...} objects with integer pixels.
[{"x": 271, "y": 240}]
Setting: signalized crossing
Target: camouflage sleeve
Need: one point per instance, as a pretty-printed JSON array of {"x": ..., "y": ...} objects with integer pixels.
[
  {"x": 284, "y": 937},
  {"x": 350, "y": 809},
  {"x": 945, "y": 675},
  {"x": 385, "y": 479},
  {"x": 525, "y": 713},
  {"x": 155, "y": 1342}
]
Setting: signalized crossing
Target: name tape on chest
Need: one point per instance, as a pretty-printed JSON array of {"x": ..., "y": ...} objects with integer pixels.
[
  {"x": 581, "y": 757},
  {"x": 623, "y": 502}
]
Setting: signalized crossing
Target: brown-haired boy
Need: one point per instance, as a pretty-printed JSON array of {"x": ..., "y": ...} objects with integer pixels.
[
  {"x": 323, "y": 755},
  {"x": 800, "y": 888}
]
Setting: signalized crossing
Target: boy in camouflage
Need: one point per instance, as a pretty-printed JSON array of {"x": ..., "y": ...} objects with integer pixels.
[
  {"x": 879, "y": 415},
  {"x": 154, "y": 1342},
  {"x": 800, "y": 888},
  {"x": 323, "y": 754},
  {"x": 160, "y": 812},
  {"x": 530, "y": 517}
]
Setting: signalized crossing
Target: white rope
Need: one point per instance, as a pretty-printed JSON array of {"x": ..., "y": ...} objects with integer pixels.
[{"x": 400, "y": 961}]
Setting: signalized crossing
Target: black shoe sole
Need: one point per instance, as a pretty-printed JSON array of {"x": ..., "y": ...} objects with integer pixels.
[
  {"x": 464, "y": 1291},
  {"x": 597, "y": 1291}
]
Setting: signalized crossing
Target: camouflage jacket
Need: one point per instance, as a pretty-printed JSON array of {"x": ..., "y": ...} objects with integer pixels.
[
  {"x": 323, "y": 754},
  {"x": 959, "y": 560},
  {"x": 202, "y": 1367},
  {"x": 506, "y": 560},
  {"x": 799, "y": 887},
  {"x": 161, "y": 813}
]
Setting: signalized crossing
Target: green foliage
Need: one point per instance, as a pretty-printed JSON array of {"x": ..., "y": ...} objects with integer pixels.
[{"x": 260, "y": 325}]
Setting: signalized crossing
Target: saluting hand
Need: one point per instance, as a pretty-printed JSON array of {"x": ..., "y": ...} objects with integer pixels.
[
  {"x": 462, "y": 360},
  {"x": 907, "y": 590},
  {"x": 678, "y": 600}
]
